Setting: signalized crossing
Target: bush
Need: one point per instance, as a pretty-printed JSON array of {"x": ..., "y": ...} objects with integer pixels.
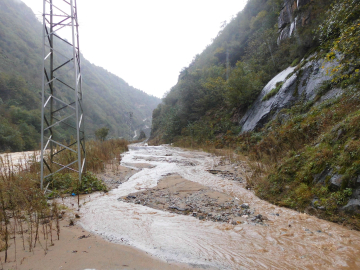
[{"x": 273, "y": 91}]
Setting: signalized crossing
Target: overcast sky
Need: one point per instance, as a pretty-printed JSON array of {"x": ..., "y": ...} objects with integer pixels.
[{"x": 148, "y": 42}]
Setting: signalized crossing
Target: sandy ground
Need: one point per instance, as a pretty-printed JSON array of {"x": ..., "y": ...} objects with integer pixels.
[
  {"x": 284, "y": 240},
  {"x": 113, "y": 177},
  {"x": 78, "y": 249}
]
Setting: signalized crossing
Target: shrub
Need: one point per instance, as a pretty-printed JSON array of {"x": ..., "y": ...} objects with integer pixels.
[{"x": 273, "y": 91}]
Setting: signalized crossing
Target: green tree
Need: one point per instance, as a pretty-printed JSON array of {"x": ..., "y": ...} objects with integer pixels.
[
  {"x": 243, "y": 86},
  {"x": 101, "y": 133},
  {"x": 142, "y": 135},
  {"x": 340, "y": 32}
]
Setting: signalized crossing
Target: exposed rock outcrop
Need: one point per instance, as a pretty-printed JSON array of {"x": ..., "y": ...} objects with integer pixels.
[
  {"x": 294, "y": 14},
  {"x": 353, "y": 206},
  {"x": 301, "y": 84}
]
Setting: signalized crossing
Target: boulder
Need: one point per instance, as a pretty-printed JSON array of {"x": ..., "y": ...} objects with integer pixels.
[
  {"x": 352, "y": 206},
  {"x": 335, "y": 182}
]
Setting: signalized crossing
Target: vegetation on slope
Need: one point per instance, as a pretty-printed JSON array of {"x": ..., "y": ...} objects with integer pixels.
[
  {"x": 107, "y": 98},
  {"x": 230, "y": 73},
  {"x": 307, "y": 150}
]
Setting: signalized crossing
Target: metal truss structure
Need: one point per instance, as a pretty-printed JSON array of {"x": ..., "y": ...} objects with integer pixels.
[{"x": 62, "y": 118}]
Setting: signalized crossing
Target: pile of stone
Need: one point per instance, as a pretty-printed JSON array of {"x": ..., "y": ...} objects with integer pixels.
[
  {"x": 227, "y": 175},
  {"x": 204, "y": 204}
]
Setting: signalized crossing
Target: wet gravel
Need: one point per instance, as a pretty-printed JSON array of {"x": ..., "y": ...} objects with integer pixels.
[{"x": 204, "y": 203}]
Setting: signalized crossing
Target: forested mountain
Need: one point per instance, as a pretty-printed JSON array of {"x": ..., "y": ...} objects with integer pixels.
[
  {"x": 108, "y": 100},
  {"x": 230, "y": 73},
  {"x": 279, "y": 83}
]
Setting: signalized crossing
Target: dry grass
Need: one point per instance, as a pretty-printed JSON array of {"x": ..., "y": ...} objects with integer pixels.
[
  {"x": 100, "y": 153},
  {"x": 25, "y": 211}
]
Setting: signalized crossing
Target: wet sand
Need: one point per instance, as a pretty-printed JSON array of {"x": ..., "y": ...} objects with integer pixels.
[
  {"x": 78, "y": 249},
  {"x": 286, "y": 240},
  {"x": 113, "y": 177}
]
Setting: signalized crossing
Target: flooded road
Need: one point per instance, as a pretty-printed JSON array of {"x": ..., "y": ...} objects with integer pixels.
[{"x": 289, "y": 240}]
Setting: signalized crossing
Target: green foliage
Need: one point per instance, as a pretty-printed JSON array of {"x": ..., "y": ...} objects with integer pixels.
[
  {"x": 68, "y": 183},
  {"x": 101, "y": 133},
  {"x": 304, "y": 152},
  {"x": 303, "y": 146},
  {"x": 10, "y": 137},
  {"x": 256, "y": 22},
  {"x": 340, "y": 33},
  {"x": 20, "y": 86},
  {"x": 142, "y": 135},
  {"x": 295, "y": 62},
  {"x": 273, "y": 91},
  {"x": 230, "y": 73},
  {"x": 331, "y": 201},
  {"x": 244, "y": 86}
]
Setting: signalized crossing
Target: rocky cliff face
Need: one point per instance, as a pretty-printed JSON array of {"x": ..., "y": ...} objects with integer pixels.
[
  {"x": 298, "y": 84},
  {"x": 294, "y": 14}
]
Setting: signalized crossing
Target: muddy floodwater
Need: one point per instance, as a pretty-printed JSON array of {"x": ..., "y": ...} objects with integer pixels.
[
  {"x": 18, "y": 160},
  {"x": 286, "y": 240}
]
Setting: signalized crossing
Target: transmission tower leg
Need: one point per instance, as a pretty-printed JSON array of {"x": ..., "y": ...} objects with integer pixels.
[{"x": 62, "y": 117}]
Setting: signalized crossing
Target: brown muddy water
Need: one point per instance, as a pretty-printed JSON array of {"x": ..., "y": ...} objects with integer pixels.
[
  {"x": 18, "y": 160},
  {"x": 287, "y": 240}
]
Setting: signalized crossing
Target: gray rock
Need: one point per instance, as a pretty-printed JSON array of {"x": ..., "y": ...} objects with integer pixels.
[
  {"x": 287, "y": 22},
  {"x": 321, "y": 177},
  {"x": 258, "y": 218},
  {"x": 330, "y": 94},
  {"x": 178, "y": 208},
  {"x": 314, "y": 202},
  {"x": 352, "y": 206},
  {"x": 300, "y": 86},
  {"x": 245, "y": 206},
  {"x": 335, "y": 182}
]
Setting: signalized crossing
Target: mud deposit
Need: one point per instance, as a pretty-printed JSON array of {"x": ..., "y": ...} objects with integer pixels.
[{"x": 168, "y": 209}]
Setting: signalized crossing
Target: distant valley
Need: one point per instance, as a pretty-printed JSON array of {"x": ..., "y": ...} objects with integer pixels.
[{"x": 109, "y": 101}]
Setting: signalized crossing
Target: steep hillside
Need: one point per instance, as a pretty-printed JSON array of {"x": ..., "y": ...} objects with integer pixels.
[
  {"x": 231, "y": 72},
  {"x": 108, "y": 100},
  {"x": 280, "y": 83}
]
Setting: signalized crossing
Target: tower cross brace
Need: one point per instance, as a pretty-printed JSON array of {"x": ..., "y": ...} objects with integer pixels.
[{"x": 62, "y": 117}]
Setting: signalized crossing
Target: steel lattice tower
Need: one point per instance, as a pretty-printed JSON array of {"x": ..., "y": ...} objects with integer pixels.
[{"x": 62, "y": 118}]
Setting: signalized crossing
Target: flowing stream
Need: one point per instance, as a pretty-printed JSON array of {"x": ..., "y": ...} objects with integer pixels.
[{"x": 291, "y": 240}]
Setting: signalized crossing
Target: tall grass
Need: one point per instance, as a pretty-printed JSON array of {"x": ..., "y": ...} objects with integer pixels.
[
  {"x": 100, "y": 156},
  {"x": 24, "y": 210},
  {"x": 100, "y": 153},
  {"x": 27, "y": 213}
]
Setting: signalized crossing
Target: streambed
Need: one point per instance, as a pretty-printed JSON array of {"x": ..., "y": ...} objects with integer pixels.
[{"x": 287, "y": 240}]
